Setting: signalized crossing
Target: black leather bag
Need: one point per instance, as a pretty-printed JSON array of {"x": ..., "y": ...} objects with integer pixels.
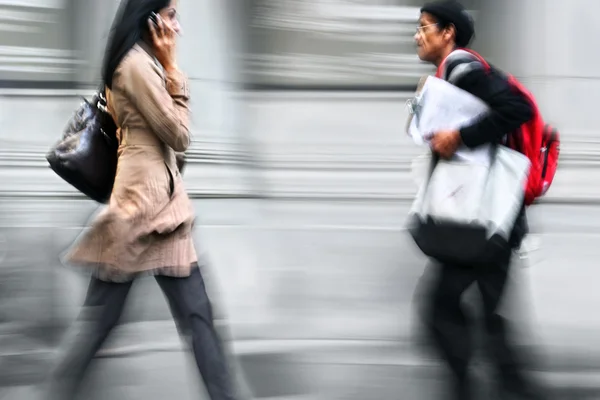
[{"x": 86, "y": 155}]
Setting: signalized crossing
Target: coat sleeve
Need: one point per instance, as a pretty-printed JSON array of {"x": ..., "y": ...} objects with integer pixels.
[{"x": 161, "y": 99}]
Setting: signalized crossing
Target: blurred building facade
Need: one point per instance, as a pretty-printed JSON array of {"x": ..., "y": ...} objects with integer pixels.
[{"x": 299, "y": 169}]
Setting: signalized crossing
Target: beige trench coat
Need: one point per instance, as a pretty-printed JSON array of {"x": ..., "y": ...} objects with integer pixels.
[{"x": 147, "y": 225}]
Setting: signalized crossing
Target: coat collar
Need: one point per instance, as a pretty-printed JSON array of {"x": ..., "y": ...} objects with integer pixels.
[{"x": 146, "y": 48}]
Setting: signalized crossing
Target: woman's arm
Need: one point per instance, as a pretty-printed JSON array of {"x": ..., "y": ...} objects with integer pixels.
[{"x": 161, "y": 99}]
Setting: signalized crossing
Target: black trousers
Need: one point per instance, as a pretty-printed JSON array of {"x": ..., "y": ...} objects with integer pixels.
[
  {"x": 449, "y": 325},
  {"x": 191, "y": 309}
]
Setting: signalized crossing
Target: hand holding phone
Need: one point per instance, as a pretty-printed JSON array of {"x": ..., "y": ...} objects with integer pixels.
[
  {"x": 163, "y": 40},
  {"x": 154, "y": 18}
]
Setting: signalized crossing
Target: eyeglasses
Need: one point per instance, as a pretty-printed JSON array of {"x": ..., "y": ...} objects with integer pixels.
[{"x": 419, "y": 29}]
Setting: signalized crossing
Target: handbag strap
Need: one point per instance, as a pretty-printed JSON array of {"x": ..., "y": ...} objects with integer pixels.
[{"x": 100, "y": 98}]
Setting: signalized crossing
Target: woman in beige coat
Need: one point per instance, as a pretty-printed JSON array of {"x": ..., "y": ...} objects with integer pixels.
[{"x": 147, "y": 226}]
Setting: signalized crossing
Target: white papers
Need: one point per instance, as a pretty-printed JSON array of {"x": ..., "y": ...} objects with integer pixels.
[{"x": 441, "y": 106}]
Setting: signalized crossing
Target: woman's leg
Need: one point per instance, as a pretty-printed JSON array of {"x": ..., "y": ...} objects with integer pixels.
[
  {"x": 101, "y": 312},
  {"x": 191, "y": 306}
]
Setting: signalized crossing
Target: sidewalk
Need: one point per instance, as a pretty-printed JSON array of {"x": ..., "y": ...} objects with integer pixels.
[{"x": 294, "y": 370}]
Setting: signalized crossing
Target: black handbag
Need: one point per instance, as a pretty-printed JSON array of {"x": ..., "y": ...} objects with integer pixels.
[{"x": 86, "y": 155}]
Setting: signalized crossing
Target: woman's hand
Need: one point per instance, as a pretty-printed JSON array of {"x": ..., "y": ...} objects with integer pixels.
[{"x": 164, "y": 43}]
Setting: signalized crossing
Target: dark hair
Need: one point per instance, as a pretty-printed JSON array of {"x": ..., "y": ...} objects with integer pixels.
[
  {"x": 443, "y": 23},
  {"x": 451, "y": 12},
  {"x": 129, "y": 26}
]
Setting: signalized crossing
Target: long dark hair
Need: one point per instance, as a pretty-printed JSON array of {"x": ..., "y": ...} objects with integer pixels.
[{"x": 129, "y": 27}]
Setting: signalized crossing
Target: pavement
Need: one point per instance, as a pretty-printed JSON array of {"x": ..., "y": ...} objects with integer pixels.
[{"x": 298, "y": 370}]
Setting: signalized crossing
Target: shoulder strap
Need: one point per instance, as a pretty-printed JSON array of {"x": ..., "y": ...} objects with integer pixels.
[
  {"x": 477, "y": 55},
  {"x": 469, "y": 60}
]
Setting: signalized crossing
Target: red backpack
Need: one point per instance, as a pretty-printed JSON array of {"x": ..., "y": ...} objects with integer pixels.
[{"x": 539, "y": 141}]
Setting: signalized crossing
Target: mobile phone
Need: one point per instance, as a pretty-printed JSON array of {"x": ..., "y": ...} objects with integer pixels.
[{"x": 154, "y": 18}]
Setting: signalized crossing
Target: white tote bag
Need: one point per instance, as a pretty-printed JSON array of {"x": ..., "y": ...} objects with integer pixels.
[{"x": 465, "y": 210}]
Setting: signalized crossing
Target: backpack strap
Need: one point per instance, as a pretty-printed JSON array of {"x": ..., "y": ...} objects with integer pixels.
[{"x": 460, "y": 63}]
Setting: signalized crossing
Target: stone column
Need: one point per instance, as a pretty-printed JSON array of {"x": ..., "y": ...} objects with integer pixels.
[
  {"x": 91, "y": 27},
  {"x": 210, "y": 53},
  {"x": 546, "y": 45},
  {"x": 549, "y": 46}
]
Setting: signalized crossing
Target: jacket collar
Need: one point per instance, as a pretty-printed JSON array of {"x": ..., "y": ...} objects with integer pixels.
[{"x": 145, "y": 47}]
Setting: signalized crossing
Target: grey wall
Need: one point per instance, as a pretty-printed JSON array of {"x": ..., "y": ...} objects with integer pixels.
[{"x": 35, "y": 42}]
